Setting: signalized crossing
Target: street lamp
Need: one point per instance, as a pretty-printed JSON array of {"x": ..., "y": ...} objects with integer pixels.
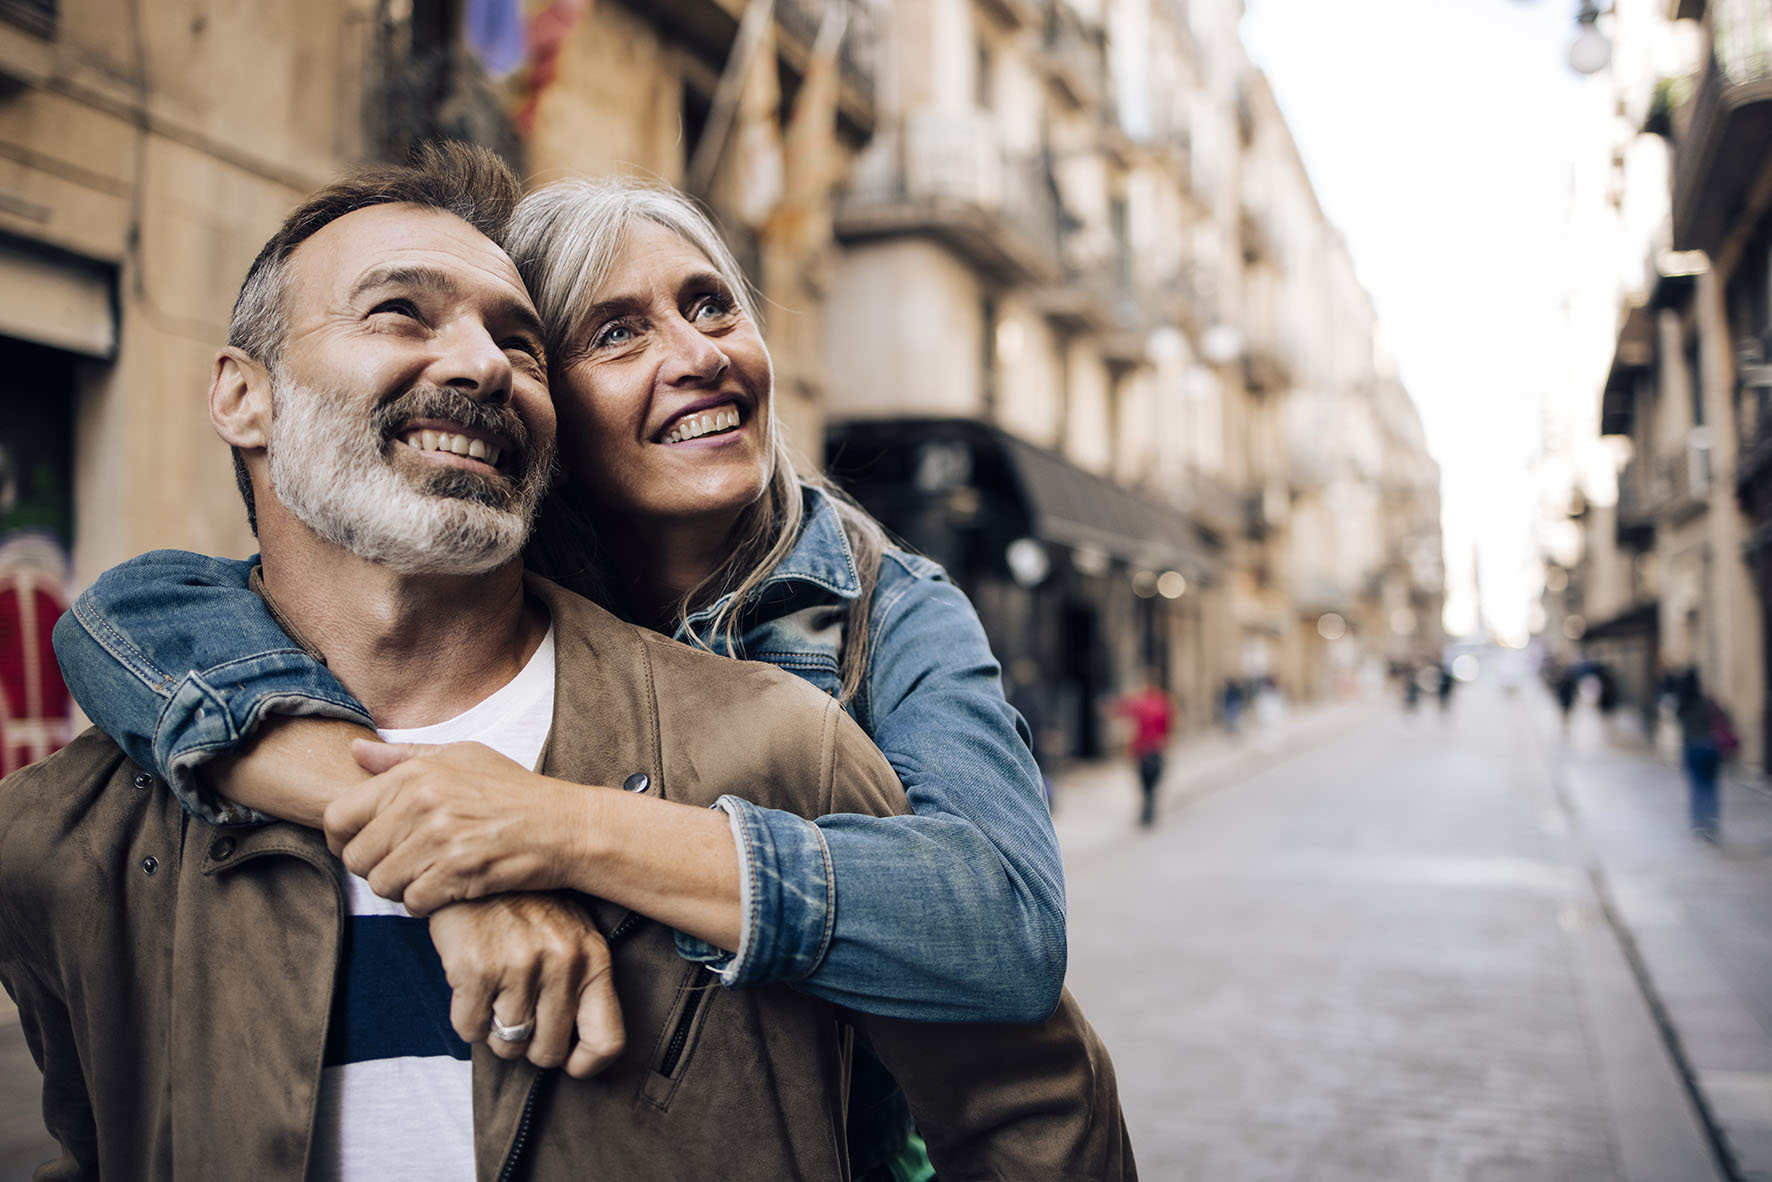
[{"x": 1591, "y": 51}]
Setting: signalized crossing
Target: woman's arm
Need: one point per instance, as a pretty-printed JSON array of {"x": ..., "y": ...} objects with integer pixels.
[
  {"x": 953, "y": 914},
  {"x": 179, "y": 661}
]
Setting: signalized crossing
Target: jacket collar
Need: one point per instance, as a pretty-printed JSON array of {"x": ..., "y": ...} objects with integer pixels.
[{"x": 821, "y": 557}]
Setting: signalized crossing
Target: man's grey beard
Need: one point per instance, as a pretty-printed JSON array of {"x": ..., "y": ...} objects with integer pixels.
[{"x": 335, "y": 471}]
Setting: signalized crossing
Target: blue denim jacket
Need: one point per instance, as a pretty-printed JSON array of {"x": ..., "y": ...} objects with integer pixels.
[{"x": 953, "y": 913}]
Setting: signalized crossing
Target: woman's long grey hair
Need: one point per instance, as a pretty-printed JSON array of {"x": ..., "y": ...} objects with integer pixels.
[{"x": 565, "y": 238}]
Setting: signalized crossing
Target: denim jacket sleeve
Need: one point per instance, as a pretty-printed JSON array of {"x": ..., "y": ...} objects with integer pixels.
[
  {"x": 954, "y": 913},
  {"x": 174, "y": 657}
]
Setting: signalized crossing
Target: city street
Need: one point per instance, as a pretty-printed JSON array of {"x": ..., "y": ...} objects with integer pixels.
[{"x": 1427, "y": 948}]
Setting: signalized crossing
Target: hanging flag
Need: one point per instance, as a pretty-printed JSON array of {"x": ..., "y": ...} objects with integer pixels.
[
  {"x": 813, "y": 162},
  {"x": 494, "y": 32},
  {"x": 757, "y": 163},
  {"x": 548, "y": 30}
]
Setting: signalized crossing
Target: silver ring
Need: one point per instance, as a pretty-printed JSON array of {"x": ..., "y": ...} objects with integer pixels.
[{"x": 518, "y": 1033}]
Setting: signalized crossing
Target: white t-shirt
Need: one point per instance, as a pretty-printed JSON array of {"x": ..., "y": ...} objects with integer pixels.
[{"x": 396, "y": 1092}]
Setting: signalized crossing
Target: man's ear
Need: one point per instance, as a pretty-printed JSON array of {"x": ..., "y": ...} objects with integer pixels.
[{"x": 240, "y": 399}]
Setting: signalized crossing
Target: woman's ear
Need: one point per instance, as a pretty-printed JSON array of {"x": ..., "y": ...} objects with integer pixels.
[{"x": 240, "y": 399}]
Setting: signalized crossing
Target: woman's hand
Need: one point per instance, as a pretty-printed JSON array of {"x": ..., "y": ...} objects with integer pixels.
[
  {"x": 531, "y": 956},
  {"x": 442, "y": 824}
]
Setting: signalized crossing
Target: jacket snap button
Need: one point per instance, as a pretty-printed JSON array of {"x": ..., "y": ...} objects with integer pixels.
[
  {"x": 638, "y": 782},
  {"x": 143, "y": 780},
  {"x": 222, "y": 848},
  {"x": 150, "y": 864}
]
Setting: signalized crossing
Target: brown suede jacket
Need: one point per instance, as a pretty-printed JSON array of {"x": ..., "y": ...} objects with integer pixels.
[{"x": 174, "y": 979}]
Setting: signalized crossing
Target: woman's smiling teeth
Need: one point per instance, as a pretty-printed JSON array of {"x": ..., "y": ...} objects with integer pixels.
[
  {"x": 461, "y": 445},
  {"x": 689, "y": 427}
]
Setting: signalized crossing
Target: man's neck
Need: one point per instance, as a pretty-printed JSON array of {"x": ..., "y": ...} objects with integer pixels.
[{"x": 414, "y": 649}]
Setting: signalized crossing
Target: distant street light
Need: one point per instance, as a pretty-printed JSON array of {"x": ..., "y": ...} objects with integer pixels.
[{"x": 1591, "y": 51}]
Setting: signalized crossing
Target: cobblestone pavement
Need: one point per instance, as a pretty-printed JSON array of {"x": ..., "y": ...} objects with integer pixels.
[{"x": 1366, "y": 946}]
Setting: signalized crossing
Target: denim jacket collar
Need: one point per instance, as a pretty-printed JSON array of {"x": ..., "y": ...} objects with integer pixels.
[{"x": 821, "y": 557}]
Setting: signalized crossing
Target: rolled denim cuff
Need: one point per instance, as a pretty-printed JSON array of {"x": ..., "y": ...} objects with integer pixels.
[
  {"x": 789, "y": 897},
  {"x": 212, "y": 712}
]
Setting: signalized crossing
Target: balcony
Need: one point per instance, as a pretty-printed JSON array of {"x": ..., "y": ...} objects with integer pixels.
[
  {"x": 948, "y": 178},
  {"x": 1213, "y": 505},
  {"x": 1679, "y": 488},
  {"x": 798, "y": 22},
  {"x": 1723, "y": 154},
  {"x": 1075, "y": 55},
  {"x": 419, "y": 91},
  {"x": 1086, "y": 299},
  {"x": 707, "y": 29},
  {"x": 1014, "y": 14},
  {"x": 1635, "y": 516}
]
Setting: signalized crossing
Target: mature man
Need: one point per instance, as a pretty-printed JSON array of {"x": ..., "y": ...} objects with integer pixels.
[{"x": 218, "y": 1003}]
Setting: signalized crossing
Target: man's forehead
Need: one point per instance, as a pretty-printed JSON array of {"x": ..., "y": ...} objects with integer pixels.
[{"x": 396, "y": 237}]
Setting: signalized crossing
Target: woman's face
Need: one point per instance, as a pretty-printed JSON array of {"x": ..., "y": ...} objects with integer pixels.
[{"x": 664, "y": 394}]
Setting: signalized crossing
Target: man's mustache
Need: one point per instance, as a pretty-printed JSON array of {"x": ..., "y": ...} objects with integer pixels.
[{"x": 440, "y": 402}]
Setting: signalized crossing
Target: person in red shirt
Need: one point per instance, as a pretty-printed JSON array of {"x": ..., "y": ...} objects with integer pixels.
[{"x": 1151, "y": 715}]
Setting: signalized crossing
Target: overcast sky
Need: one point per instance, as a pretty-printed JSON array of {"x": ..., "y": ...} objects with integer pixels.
[{"x": 1436, "y": 136}]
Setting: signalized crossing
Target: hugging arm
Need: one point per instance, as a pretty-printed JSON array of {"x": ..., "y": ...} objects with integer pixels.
[
  {"x": 178, "y": 660},
  {"x": 954, "y": 913},
  {"x": 174, "y": 656}
]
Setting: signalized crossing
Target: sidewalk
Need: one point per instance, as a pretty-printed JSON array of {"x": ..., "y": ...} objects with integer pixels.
[{"x": 1696, "y": 919}]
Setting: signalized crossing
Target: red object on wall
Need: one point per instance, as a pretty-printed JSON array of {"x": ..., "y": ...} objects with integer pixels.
[{"x": 34, "y": 708}]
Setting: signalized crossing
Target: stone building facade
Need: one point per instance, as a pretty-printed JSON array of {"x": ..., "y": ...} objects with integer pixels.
[{"x": 1043, "y": 278}]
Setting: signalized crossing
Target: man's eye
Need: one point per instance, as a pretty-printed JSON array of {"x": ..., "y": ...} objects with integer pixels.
[
  {"x": 526, "y": 346},
  {"x": 396, "y": 307}
]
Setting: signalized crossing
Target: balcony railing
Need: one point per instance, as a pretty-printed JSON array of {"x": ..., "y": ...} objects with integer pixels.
[
  {"x": 949, "y": 177},
  {"x": 802, "y": 18},
  {"x": 1075, "y": 55},
  {"x": 1635, "y": 515},
  {"x": 1680, "y": 489},
  {"x": 1730, "y": 133}
]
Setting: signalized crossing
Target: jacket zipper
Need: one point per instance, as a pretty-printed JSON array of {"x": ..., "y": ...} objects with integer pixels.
[
  {"x": 628, "y": 923},
  {"x": 680, "y": 1036},
  {"x": 510, "y": 1165}
]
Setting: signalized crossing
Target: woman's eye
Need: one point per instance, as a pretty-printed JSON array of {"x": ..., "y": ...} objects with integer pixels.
[
  {"x": 712, "y": 307},
  {"x": 613, "y": 334}
]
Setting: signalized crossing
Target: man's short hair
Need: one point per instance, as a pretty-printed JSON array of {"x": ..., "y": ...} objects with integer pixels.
[{"x": 466, "y": 180}]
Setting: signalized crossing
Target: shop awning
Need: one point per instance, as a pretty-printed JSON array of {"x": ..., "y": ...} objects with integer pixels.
[
  {"x": 1082, "y": 510},
  {"x": 1641, "y": 620},
  {"x": 901, "y": 461}
]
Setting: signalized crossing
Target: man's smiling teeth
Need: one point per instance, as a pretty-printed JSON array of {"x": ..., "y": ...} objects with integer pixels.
[
  {"x": 461, "y": 445},
  {"x": 695, "y": 426}
]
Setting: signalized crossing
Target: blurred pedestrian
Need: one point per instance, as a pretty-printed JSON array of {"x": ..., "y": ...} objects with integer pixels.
[
  {"x": 1151, "y": 715},
  {"x": 1231, "y": 705},
  {"x": 1608, "y": 700},
  {"x": 1706, "y": 736},
  {"x": 1411, "y": 689},
  {"x": 1566, "y": 686},
  {"x": 1443, "y": 688}
]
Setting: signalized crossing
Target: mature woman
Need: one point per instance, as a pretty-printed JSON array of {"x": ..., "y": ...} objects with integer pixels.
[{"x": 683, "y": 511}]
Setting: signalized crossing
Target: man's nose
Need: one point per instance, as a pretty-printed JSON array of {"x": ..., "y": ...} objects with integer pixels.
[
  {"x": 469, "y": 360},
  {"x": 695, "y": 358}
]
